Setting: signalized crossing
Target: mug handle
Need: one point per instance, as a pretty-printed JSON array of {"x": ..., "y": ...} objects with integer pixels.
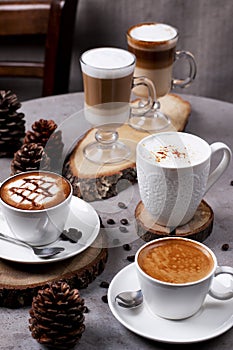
[
  {"x": 222, "y": 296},
  {"x": 139, "y": 106},
  {"x": 218, "y": 171},
  {"x": 192, "y": 69}
]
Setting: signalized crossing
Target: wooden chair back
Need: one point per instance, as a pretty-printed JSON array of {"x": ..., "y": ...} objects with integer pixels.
[{"x": 54, "y": 20}]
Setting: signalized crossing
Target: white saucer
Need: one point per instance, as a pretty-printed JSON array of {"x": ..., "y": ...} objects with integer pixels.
[
  {"x": 214, "y": 318},
  {"x": 82, "y": 216}
]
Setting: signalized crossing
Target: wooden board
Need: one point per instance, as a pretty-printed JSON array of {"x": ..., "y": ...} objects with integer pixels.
[
  {"x": 199, "y": 228},
  {"x": 20, "y": 282},
  {"x": 91, "y": 181}
]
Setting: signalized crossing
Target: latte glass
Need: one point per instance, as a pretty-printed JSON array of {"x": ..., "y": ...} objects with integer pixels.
[
  {"x": 154, "y": 45},
  {"x": 108, "y": 81}
]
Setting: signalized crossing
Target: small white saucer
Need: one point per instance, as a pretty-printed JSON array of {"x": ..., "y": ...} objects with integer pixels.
[
  {"x": 214, "y": 318},
  {"x": 82, "y": 216}
]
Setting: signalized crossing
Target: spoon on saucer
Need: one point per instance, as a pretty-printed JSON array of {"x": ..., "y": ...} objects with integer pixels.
[
  {"x": 129, "y": 299},
  {"x": 44, "y": 253}
]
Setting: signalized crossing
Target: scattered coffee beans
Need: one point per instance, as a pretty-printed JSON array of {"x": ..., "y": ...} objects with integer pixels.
[
  {"x": 122, "y": 205},
  {"x": 225, "y": 246},
  {"x": 124, "y": 222},
  {"x": 110, "y": 222}
]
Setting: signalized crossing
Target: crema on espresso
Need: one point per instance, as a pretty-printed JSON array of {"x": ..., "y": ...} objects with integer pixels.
[
  {"x": 35, "y": 190},
  {"x": 176, "y": 261}
]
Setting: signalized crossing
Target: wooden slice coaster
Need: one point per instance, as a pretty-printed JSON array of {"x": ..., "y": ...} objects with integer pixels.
[
  {"x": 20, "y": 282},
  {"x": 199, "y": 228},
  {"x": 92, "y": 181}
]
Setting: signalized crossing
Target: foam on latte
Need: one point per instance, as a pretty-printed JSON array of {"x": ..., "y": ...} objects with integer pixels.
[
  {"x": 107, "y": 63},
  {"x": 152, "y": 35},
  {"x": 175, "y": 151},
  {"x": 35, "y": 190}
]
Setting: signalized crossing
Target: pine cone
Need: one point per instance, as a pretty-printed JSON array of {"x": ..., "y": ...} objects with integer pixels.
[
  {"x": 44, "y": 133},
  {"x": 12, "y": 124},
  {"x": 42, "y": 130},
  {"x": 30, "y": 157},
  {"x": 57, "y": 319}
]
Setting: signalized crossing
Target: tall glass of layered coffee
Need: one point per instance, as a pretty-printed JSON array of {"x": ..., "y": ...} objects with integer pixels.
[
  {"x": 154, "y": 45},
  {"x": 108, "y": 81}
]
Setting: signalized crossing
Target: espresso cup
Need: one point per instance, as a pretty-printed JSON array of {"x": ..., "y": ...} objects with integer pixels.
[
  {"x": 154, "y": 45},
  {"x": 35, "y": 205},
  {"x": 175, "y": 276},
  {"x": 108, "y": 82},
  {"x": 173, "y": 170}
]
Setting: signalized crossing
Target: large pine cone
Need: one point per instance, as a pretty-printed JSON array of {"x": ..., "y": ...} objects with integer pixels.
[
  {"x": 57, "y": 319},
  {"x": 44, "y": 133},
  {"x": 12, "y": 124},
  {"x": 30, "y": 157}
]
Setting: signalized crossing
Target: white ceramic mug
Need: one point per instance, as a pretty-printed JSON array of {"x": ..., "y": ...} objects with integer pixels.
[
  {"x": 40, "y": 226},
  {"x": 179, "y": 300},
  {"x": 173, "y": 170}
]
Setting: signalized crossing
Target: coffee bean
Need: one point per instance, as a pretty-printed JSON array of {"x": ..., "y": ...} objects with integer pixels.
[
  {"x": 127, "y": 247},
  {"x": 231, "y": 183},
  {"x": 105, "y": 299},
  {"x": 123, "y": 229},
  {"x": 104, "y": 284},
  {"x": 225, "y": 247},
  {"x": 122, "y": 205},
  {"x": 85, "y": 309},
  {"x": 110, "y": 222},
  {"x": 115, "y": 241},
  {"x": 124, "y": 222},
  {"x": 131, "y": 258}
]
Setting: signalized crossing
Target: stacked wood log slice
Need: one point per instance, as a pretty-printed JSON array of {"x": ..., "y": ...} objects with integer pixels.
[{"x": 91, "y": 181}]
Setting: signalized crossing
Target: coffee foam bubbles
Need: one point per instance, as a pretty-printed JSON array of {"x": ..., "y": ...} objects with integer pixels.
[
  {"x": 152, "y": 36},
  {"x": 107, "y": 63}
]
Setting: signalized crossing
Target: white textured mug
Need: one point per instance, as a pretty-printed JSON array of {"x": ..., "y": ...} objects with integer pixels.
[
  {"x": 183, "y": 271},
  {"x": 173, "y": 170}
]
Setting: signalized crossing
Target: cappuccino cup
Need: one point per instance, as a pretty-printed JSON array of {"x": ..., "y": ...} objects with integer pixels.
[
  {"x": 173, "y": 170},
  {"x": 35, "y": 205},
  {"x": 108, "y": 81},
  {"x": 154, "y": 45},
  {"x": 176, "y": 275}
]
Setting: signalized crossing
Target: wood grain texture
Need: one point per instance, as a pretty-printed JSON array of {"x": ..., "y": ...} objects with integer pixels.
[{"x": 199, "y": 228}]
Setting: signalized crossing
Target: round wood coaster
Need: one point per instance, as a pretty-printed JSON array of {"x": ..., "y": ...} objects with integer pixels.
[
  {"x": 199, "y": 228},
  {"x": 20, "y": 282}
]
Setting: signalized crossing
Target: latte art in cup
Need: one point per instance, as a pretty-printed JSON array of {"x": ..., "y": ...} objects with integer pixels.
[
  {"x": 35, "y": 191},
  {"x": 36, "y": 205}
]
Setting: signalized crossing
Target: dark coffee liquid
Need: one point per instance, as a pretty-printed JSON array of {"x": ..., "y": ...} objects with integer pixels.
[
  {"x": 98, "y": 91},
  {"x": 153, "y": 59}
]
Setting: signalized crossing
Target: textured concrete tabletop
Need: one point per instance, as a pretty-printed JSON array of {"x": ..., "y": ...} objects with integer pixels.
[{"x": 211, "y": 120}]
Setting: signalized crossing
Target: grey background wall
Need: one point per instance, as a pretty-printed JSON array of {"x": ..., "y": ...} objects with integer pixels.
[{"x": 205, "y": 27}]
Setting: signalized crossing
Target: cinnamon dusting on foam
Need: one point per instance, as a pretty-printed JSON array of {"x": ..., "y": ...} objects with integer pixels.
[{"x": 168, "y": 152}]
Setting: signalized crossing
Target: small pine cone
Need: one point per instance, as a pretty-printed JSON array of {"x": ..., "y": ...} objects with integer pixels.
[
  {"x": 42, "y": 130},
  {"x": 57, "y": 319},
  {"x": 30, "y": 157},
  {"x": 8, "y": 101},
  {"x": 12, "y": 124}
]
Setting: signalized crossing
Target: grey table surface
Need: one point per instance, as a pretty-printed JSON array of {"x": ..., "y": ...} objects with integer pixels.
[{"x": 211, "y": 120}]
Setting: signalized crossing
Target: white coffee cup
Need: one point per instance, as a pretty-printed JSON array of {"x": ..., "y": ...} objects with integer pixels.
[
  {"x": 36, "y": 205},
  {"x": 176, "y": 300},
  {"x": 173, "y": 170}
]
